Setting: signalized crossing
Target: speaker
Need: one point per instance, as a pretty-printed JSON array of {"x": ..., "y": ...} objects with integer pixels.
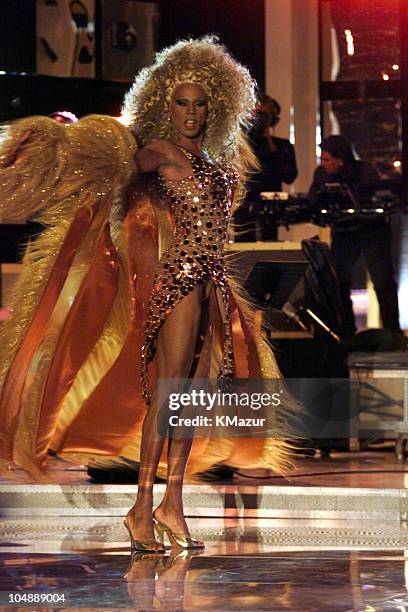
[
  {"x": 128, "y": 38},
  {"x": 65, "y": 38}
]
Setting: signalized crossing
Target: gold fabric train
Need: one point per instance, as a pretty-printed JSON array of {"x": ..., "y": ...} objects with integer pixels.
[{"x": 70, "y": 352}]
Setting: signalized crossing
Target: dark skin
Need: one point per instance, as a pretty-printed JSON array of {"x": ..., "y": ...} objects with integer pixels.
[
  {"x": 176, "y": 340},
  {"x": 188, "y": 114}
]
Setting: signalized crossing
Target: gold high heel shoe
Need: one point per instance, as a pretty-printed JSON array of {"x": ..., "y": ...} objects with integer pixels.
[
  {"x": 145, "y": 547},
  {"x": 175, "y": 539}
]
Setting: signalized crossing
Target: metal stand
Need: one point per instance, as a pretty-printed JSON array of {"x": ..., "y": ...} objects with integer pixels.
[{"x": 379, "y": 390}]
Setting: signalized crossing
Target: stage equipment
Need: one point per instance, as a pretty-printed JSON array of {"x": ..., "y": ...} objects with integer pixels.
[
  {"x": 269, "y": 270},
  {"x": 296, "y": 291},
  {"x": 282, "y": 278},
  {"x": 379, "y": 398},
  {"x": 282, "y": 208},
  {"x": 128, "y": 38},
  {"x": 335, "y": 203},
  {"x": 66, "y": 38},
  {"x": 322, "y": 296}
]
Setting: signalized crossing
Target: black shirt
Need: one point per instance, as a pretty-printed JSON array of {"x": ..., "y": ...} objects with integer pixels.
[
  {"x": 354, "y": 176},
  {"x": 277, "y": 166}
]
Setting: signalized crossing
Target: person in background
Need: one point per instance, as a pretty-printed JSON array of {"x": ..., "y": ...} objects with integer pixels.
[
  {"x": 275, "y": 155},
  {"x": 277, "y": 160},
  {"x": 350, "y": 238}
]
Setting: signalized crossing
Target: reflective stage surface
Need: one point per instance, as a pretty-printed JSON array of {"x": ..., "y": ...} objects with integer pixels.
[
  {"x": 253, "y": 564},
  {"x": 332, "y": 537}
]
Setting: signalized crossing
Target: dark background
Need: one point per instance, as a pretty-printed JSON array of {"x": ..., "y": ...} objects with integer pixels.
[{"x": 240, "y": 26}]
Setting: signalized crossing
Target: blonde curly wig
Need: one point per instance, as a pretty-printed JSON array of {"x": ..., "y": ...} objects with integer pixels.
[{"x": 231, "y": 95}]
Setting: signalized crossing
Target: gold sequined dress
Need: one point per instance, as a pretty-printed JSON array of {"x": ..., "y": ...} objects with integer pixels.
[
  {"x": 200, "y": 206},
  {"x": 117, "y": 254}
]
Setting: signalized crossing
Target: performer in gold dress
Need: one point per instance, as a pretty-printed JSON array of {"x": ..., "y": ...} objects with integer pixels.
[{"x": 129, "y": 283}]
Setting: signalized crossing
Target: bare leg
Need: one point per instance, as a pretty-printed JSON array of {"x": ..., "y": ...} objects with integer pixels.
[
  {"x": 174, "y": 357},
  {"x": 170, "y": 511}
]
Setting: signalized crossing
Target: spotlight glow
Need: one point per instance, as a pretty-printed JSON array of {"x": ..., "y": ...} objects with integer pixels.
[
  {"x": 385, "y": 76},
  {"x": 350, "y": 42},
  {"x": 397, "y": 163},
  {"x": 395, "y": 67},
  {"x": 124, "y": 118}
]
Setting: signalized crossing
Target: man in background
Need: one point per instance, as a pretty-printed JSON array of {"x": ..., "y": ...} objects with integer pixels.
[
  {"x": 354, "y": 236},
  {"x": 277, "y": 160}
]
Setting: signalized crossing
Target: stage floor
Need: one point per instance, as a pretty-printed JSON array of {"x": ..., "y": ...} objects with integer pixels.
[
  {"x": 252, "y": 565},
  {"x": 77, "y": 551},
  {"x": 369, "y": 469}
]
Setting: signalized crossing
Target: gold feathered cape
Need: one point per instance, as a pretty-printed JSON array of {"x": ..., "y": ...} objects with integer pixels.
[{"x": 71, "y": 349}]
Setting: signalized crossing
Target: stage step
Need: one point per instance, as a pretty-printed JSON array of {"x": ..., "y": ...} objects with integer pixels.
[
  {"x": 202, "y": 500},
  {"x": 106, "y": 535}
]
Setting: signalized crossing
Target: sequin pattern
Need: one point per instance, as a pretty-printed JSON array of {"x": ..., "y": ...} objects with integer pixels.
[{"x": 201, "y": 208}]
